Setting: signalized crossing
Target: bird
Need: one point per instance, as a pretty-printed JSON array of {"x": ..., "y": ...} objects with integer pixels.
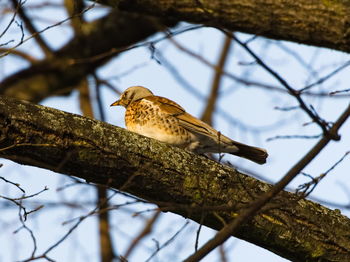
[{"x": 162, "y": 119}]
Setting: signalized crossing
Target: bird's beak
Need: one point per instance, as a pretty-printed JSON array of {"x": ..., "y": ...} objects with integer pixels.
[{"x": 116, "y": 103}]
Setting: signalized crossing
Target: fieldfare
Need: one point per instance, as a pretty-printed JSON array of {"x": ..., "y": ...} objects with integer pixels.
[{"x": 162, "y": 119}]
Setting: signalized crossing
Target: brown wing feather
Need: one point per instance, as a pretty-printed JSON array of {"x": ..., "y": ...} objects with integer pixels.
[
  {"x": 166, "y": 105},
  {"x": 187, "y": 121}
]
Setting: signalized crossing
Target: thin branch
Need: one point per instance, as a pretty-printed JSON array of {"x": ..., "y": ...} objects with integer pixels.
[
  {"x": 297, "y": 57},
  {"x": 339, "y": 91},
  {"x": 43, "y": 30},
  {"x": 293, "y": 137},
  {"x": 207, "y": 115},
  {"x": 289, "y": 108},
  {"x": 305, "y": 190},
  {"x": 145, "y": 231},
  {"x": 107, "y": 252},
  {"x": 12, "y": 183},
  {"x": 98, "y": 89},
  {"x": 222, "y": 71},
  {"x": 166, "y": 243},
  {"x": 63, "y": 238},
  {"x": 23, "y": 213},
  {"x": 21, "y": 54},
  {"x": 31, "y": 28},
  {"x": 325, "y": 78},
  {"x": 199, "y": 231},
  {"x": 222, "y": 253},
  {"x": 73, "y": 8},
  {"x": 244, "y": 81},
  {"x": 31, "y": 233},
  {"x": 321, "y": 123},
  {"x": 12, "y": 20},
  {"x": 114, "y": 51}
]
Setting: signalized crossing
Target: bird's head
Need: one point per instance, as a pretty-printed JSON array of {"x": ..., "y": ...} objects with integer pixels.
[{"x": 132, "y": 94}]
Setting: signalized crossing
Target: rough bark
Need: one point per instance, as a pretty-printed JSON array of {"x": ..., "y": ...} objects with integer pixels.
[
  {"x": 100, "y": 40},
  {"x": 177, "y": 180},
  {"x": 319, "y": 23}
]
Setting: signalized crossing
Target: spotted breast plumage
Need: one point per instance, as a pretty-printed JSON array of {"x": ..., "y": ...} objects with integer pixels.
[{"x": 162, "y": 119}]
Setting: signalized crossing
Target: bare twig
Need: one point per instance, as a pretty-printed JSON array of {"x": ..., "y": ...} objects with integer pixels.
[
  {"x": 73, "y": 8},
  {"x": 293, "y": 137},
  {"x": 199, "y": 231},
  {"x": 31, "y": 28},
  {"x": 339, "y": 91},
  {"x": 21, "y": 54},
  {"x": 43, "y": 30},
  {"x": 114, "y": 51},
  {"x": 305, "y": 190},
  {"x": 24, "y": 226},
  {"x": 207, "y": 115},
  {"x": 242, "y": 80},
  {"x": 320, "y": 122},
  {"x": 12, "y": 183},
  {"x": 325, "y": 78},
  {"x": 146, "y": 231},
  {"x": 313, "y": 198},
  {"x": 106, "y": 246},
  {"x": 12, "y": 19},
  {"x": 297, "y": 57},
  {"x": 84, "y": 99},
  {"x": 222, "y": 253},
  {"x": 98, "y": 89},
  {"x": 18, "y": 201},
  {"x": 23, "y": 213},
  {"x": 68, "y": 233},
  {"x": 171, "y": 239},
  {"x": 289, "y": 108}
]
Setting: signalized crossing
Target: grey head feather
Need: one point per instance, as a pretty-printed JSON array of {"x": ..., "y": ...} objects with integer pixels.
[{"x": 135, "y": 93}]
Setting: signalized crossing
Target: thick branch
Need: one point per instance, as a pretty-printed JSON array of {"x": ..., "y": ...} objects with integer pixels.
[
  {"x": 318, "y": 23},
  {"x": 176, "y": 180},
  {"x": 102, "y": 39}
]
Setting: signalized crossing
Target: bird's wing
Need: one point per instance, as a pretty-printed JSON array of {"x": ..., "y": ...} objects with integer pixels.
[
  {"x": 166, "y": 105},
  {"x": 200, "y": 128},
  {"x": 187, "y": 121}
]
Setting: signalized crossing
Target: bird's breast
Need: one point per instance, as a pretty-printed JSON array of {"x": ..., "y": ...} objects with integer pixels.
[{"x": 147, "y": 119}]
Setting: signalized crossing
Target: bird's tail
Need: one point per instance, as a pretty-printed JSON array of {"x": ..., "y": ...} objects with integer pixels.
[{"x": 255, "y": 154}]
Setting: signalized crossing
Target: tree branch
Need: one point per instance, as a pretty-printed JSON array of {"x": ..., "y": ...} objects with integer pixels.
[
  {"x": 190, "y": 185},
  {"x": 31, "y": 28},
  {"x": 264, "y": 199},
  {"x": 319, "y": 23},
  {"x": 207, "y": 115},
  {"x": 72, "y": 63}
]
